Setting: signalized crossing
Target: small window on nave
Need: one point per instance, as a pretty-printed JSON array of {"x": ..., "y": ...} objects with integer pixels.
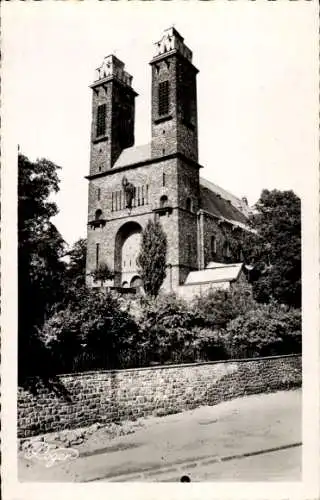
[
  {"x": 213, "y": 246},
  {"x": 189, "y": 205},
  {"x": 163, "y": 201},
  {"x": 226, "y": 249},
  {"x": 98, "y": 214}
]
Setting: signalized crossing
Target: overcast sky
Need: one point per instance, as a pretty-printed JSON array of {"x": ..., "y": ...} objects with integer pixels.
[{"x": 257, "y": 92}]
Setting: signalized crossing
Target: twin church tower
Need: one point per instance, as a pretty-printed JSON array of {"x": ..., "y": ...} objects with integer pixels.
[{"x": 128, "y": 184}]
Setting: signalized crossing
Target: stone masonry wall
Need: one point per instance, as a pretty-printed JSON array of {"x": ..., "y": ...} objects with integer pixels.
[{"x": 77, "y": 400}]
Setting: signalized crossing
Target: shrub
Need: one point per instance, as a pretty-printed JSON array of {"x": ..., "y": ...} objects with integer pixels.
[
  {"x": 95, "y": 330},
  {"x": 267, "y": 330},
  {"x": 167, "y": 325},
  {"x": 219, "y": 307},
  {"x": 208, "y": 345},
  {"x": 170, "y": 312},
  {"x": 92, "y": 331}
]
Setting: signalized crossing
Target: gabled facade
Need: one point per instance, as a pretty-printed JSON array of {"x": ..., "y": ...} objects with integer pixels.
[{"x": 130, "y": 184}]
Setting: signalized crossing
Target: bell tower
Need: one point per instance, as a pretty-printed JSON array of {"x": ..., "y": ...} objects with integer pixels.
[
  {"x": 174, "y": 126},
  {"x": 113, "y": 109}
]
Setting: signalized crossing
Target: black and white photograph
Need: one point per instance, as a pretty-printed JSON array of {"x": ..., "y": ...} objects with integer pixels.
[{"x": 159, "y": 249}]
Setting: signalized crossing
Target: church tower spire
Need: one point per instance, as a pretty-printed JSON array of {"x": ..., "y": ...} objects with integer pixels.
[
  {"x": 113, "y": 109},
  {"x": 174, "y": 124}
]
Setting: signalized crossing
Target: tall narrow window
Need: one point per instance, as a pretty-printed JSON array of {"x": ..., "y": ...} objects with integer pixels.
[
  {"x": 142, "y": 195},
  {"x": 99, "y": 194},
  {"x": 97, "y": 255},
  {"x": 226, "y": 249},
  {"x": 213, "y": 246},
  {"x": 134, "y": 204},
  {"x": 163, "y": 179},
  {"x": 147, "y": 194},
  {"x": 120, "y": 200},
  {"x": 138, "y": 197},
  {"x": 101, "y": 120},
  {"x": 187, "y": 104},
  {"x": 189, "y": 247},
  {"x": 111, "y": 202},
  {"x": 163, "y": 98},
  {"x": 116, "y": 193}
]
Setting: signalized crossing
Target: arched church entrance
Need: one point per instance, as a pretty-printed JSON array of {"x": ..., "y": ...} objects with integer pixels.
[{"x": 127, "y": 248}]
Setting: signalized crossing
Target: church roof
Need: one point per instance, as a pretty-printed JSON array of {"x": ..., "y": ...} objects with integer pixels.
[
  {"x": 135, "y": 154},
  {"x": 214, "y": 199},
  {"x": 237, "y": 203},
  {"x": 216, "y": 274},
  {"x": 219, "y": 202}
]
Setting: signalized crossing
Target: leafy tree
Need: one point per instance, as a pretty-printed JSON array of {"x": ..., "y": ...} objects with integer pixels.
[
  {"x": 102, "y": 273},
  {"x": 40, "y": 248},
  {"x": 275, "y": 249},
  {"x": 152, "y": 257},
  {"x": 76, "y": 269}
]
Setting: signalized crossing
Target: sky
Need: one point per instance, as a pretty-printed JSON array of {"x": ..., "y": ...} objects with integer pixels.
[{"x": 257, "y": 87}]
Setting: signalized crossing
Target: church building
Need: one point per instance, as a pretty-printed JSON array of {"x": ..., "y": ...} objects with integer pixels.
[{"x": 129, "y": 184}]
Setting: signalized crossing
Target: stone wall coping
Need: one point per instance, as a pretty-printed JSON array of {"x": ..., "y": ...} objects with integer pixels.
[{"x": 182, "y": 365}]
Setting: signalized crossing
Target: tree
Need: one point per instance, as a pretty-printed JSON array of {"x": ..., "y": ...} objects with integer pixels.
[
  {"x": 76, "y": 269},
  {"x": 102, "y": 273},
  {"x": 152, "y": 257},
  {"x": 275, "y": 251},
  {"x": 40, "y": 248}
]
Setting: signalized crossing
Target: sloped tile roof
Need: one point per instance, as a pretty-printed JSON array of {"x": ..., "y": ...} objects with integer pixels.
[
  {"x": 217, "y": 201},
  {"x": 218, "y": 274},
  {"x": 236, "y": 202},
  {"x": 135, "y": 154}
]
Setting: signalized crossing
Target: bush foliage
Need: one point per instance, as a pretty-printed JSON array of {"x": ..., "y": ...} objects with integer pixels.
[
  {"x": 95, "y": 330},
  {"x": 219, "y": 307},
  {"x": 166, "y": 327},
  {"x": 90, "y": 332},
  {"x": 265, "y": 331}
]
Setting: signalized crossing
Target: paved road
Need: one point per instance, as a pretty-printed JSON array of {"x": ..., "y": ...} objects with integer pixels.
[
  {"x": 279, "y": 465},
  {"x": 194, "y": 443}
]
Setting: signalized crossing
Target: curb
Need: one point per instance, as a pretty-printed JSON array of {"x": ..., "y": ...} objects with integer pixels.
[{"x": 140, "y": 474}]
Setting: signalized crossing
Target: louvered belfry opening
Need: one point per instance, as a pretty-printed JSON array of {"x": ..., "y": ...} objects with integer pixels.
[{"x": 163, "y": 98}]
